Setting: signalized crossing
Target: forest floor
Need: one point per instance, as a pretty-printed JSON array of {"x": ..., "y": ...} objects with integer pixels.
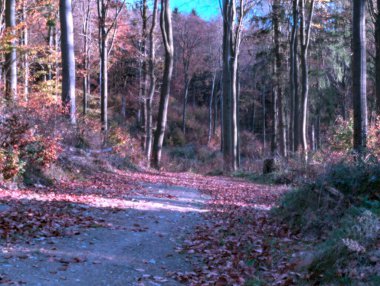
[{"x": 131, "y": 228}]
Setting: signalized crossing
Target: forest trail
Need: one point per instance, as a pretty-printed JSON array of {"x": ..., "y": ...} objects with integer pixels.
[{"x": 135, "y": 243}]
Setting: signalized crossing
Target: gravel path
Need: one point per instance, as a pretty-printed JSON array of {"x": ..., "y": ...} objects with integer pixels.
[{"x": 138, "y": 247}]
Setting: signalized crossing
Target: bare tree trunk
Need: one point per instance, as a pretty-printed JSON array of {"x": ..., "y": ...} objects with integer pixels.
[
  {"x": 210, "y": 105},
  {"x": 359, "y": 75},
  {"x": 232, "y": 28},
  {"x": 68, "y": 58},
  {"x": 105, "y": 46},
  {"x": 167, "y": 34},
  {"x": 377, "y": 59},
  {"x": 86, "y": 56},
  {"x": 305, "y": 40},
  {"x": 11, "y": 56},
  {"x": 104, "y": 81},
  {"x": 185, "y": 99},
  {"x": 294, "y": 81},
  {"x": 152, "y": 85},
  {"x": 144, "y": 32},
  {"x": 25, "y": 42},
  {"x": 281, "y": 134},
  {"x": 51, "y": 35},
  {"x": 274, "y": 115},
  {"x": 264, "y": 121}
]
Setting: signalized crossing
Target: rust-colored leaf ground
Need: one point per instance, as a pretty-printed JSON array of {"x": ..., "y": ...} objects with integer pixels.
[{"x": 235, "y": 242}]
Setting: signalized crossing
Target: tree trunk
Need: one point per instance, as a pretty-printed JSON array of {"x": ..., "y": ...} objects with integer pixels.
[
  {"x": 167, "y": 34},
  {"x": 294, "y": 80},
  {"x": 86, "y": 56},
  {"x": 68, "y": 58},
  {"x": 305, "y": 39},
  {"x": 185, "y": 99},
  {"x": 25, "y": 42},
  {"x": 51, "y": 36},
  {"x": 264, "y": 121},
  {"x": 359, "y": 75},
  {"x": 11, "y": 56},
  {"x": 231, "y": 45},
  {"x": 377, "y": 59},
  {"x": 144, "y": 10},
  {"x": 104, "y": 81},
  {"x": 152, "y": 86},
  {"x": 210, "y": 105},
  {"x": 281, "y": 134}
]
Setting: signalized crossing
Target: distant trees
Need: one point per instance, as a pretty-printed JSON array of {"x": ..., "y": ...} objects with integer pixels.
[
  {"x": 285, "y": 82},
  {"x": 68, "y": 58},
  {"x": 189, "y": 37}
]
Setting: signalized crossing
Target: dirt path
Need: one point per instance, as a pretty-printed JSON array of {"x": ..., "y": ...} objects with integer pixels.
[{"x": 137, "y": 248}]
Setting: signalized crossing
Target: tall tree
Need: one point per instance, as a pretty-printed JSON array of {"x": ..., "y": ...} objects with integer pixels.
[
  {"x": 25, "y": 43},
  {"x": 11, "y": 55},
  {"x": 152, "y": 85},
  {"x": 280, "y": 134},
  {"x": 167, "y": 35},
  {"x": 376, "y": 17},
  {"x": 306, "y": 17},
  {"x": 294, "y": 130},
  {"x": 68, "y": 58},
  {"x": 359, "y": 75},
  {"x": 234, "y": 12},
  {"x": 105, "y": 45},
  {"x": 86, "y": 30}
]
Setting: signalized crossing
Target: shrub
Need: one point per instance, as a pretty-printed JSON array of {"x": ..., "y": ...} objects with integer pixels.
[
  {"x": 318, "y": 206},
  {"x": 176, "y": 138},
  {"x": 346, "y": 252},
  {"x": 22, "y": 148}
]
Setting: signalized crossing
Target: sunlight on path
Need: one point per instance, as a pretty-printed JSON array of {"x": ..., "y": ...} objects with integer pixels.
[{"x": 182, "y": 204}]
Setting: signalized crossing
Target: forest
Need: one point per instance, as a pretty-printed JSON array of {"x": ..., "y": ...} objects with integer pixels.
[{"x": 179, "y": 142}]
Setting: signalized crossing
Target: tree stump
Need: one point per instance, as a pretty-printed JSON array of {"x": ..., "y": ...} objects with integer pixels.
[{"x": 269, "y": 166}]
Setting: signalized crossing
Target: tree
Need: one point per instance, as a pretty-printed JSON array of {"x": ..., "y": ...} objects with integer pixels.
[
  {"x": 68, "y": 58},
  {"x": 233, "y": 15},
  {"x": 167, "y": 35},
  {"x": 25, "y": 43},
  {"x": 105, "y": 46},
  {"x": 375, "y": 13},
  {"x": 305, "y": 28},
  {"x": 152, "y": 85},
  {"x": 359, "y": 75},
  {"x": 294, "y": 80},
  {"x": 143, "y": 78},
  {"x": 188, "y": 35},
  {"x": 86, "y": 30},
  {"x": 11, "y": 55},
  {"x": 279, "y": 140}
]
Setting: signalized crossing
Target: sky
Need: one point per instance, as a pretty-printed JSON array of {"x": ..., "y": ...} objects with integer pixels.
[{"x": 207, "y": 9}]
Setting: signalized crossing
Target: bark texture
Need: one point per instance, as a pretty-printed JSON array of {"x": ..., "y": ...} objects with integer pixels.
[
  {"x": 152, "y": 85},
  {"x": 68, "y": 58},
  {"x": 11, "y": 55},
  {"x": 359, "y": 75},
  {"x": 167, "y": 35}
]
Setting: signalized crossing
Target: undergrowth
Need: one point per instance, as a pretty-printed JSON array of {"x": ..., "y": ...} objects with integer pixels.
[{"x": 340, "y": 211}]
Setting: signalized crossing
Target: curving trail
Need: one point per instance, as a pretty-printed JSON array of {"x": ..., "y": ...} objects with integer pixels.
[{"x": 113, "y": 228}]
